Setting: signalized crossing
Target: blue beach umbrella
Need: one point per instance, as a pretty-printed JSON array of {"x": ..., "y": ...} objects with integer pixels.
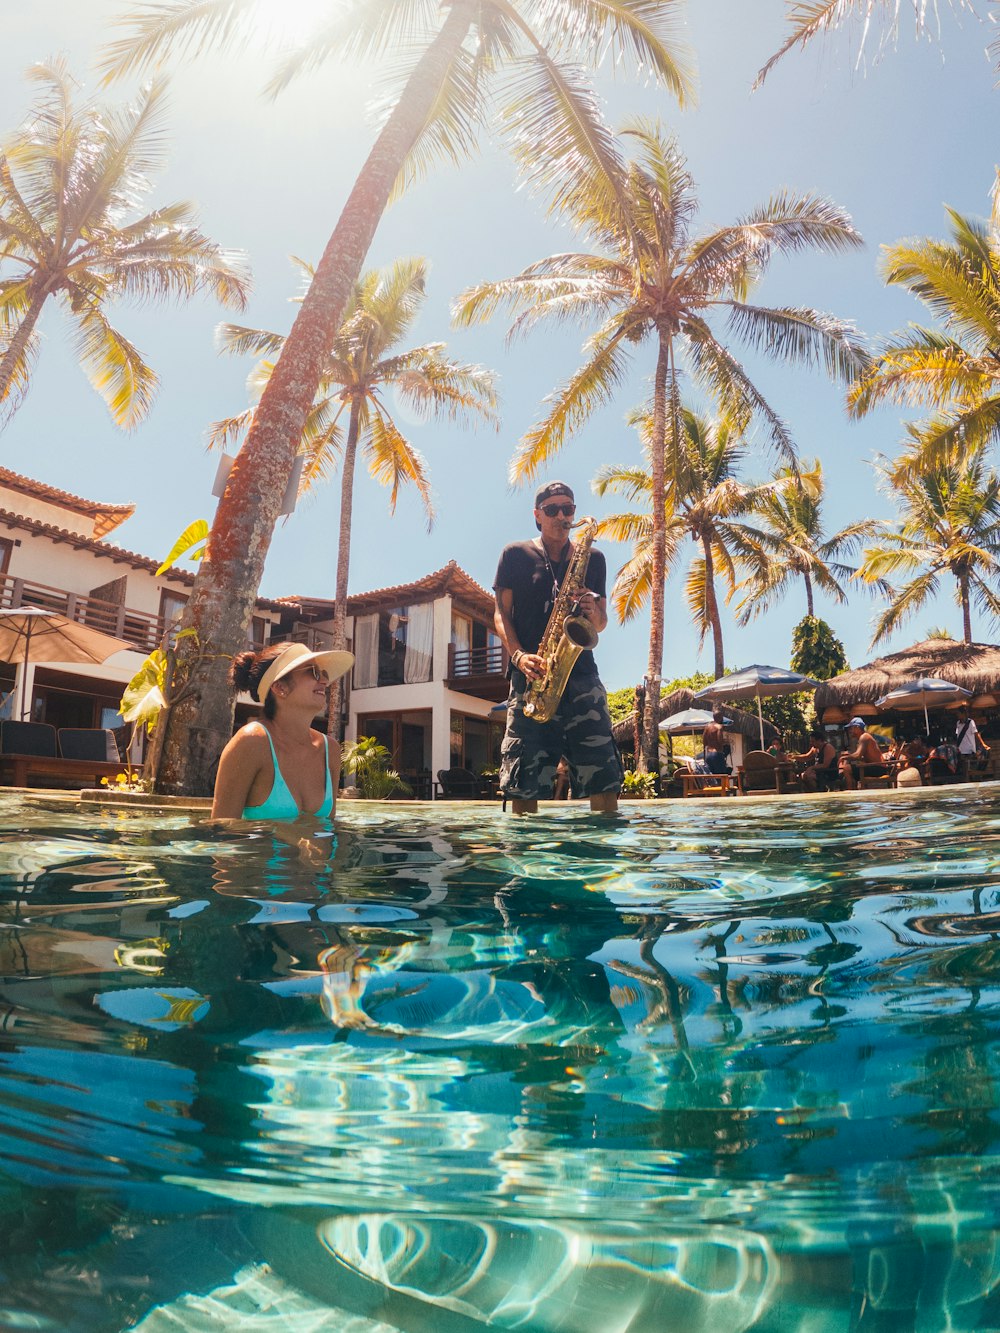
[
  {"x": 758, "y": 682},
  {"x": 926, "y": 692}
]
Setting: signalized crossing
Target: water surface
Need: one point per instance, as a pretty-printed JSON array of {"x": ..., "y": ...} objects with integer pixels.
[{"x": 710, "y": 1065}]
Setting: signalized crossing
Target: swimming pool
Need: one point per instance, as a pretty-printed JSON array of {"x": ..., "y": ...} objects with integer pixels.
[{"x": 708, "y": 1066}]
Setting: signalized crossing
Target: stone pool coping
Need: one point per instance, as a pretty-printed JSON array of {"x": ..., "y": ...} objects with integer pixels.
[{"x": 152, "y": 804}]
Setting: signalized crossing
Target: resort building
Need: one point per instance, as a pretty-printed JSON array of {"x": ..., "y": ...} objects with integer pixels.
[
  {"x": 430, "y": 668},
  {"x": 54, "y": 553}
]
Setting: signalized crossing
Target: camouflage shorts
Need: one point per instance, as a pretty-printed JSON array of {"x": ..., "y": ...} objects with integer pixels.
[{"x": 580, "y": 730}]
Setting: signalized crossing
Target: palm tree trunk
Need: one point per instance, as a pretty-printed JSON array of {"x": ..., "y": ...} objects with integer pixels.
[
  {"x": 222, "y": 601},
  {"x": 810, "y": 611},
  {"x": 343, "y": 564},
  {"x": 649, "y": 759},
  {"x": 963, "y": 584},
  {"x": 712, "y": 607},
  {"x": 17, "y": 347}
]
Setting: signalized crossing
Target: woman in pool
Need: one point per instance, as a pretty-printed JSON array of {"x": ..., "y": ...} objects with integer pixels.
[{"x": 280, "y": 767}]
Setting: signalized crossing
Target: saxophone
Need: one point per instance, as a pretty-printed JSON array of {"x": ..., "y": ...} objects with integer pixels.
[{"x": 566, "y": 635}]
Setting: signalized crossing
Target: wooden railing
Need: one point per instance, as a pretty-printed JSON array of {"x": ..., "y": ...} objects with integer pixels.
[{"x": 139, "y": 628}]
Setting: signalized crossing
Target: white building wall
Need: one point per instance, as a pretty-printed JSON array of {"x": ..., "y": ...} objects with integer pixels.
[{"x": 45, "y": 512}]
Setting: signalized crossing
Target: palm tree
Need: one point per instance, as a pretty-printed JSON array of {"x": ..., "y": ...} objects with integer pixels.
[
  {"x": 468, "y": 50},
  {"x": 949, "y": 524},
  {"x": 651, "y": 278},
  {"x": 954, "y": 372},
  {"x": 71, "y": 181},
  {"x": 791, "y": 545},
  {"x": 706, "y": 502},
  {"x": 363, "y": 363},
  {"x": 818, "y": 18}
]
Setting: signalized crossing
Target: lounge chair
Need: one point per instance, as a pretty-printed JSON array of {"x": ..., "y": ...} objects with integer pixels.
[
  {"x": 88, "y": 743},
  {"x": 459, "y": 784},
  {"x": 761, "y": 771}
]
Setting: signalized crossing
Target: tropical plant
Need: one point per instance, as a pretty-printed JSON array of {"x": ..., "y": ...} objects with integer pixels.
[
  {"x": 954, "y": 372},
  {"x": 189, "y": 545},
  {"x": 653, "y": 279},
  {"x": 816, "y": 650},
  {"x": 364, "y": 362},
  {"x": 791, "y": 545},
  {"x": 640, "y": 786},
  {"x": 704, "y": 501},
  {"x": 508, "y": 63},
  {"x": 71, "y": 182},
  {"x": 950, "y": 525},
  {"x": 368, "y": 761}
]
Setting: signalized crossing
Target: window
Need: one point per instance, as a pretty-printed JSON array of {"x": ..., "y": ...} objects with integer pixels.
[
  {"x": 394, "y": 647},
  {"x": 172, "y": 606}
]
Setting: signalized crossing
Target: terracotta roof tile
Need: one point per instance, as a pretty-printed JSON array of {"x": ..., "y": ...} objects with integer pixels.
[{"x": 106, "y": 517}]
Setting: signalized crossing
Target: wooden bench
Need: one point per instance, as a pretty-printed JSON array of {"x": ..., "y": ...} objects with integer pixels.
[
  {"x": 709, "y": 784},
  {"x": 16, "y": 769}
]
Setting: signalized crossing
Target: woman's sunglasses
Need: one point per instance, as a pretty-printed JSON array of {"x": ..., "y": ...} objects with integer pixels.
[
  {"x": 315, "y": 671},
  {"x": 550, "y": 511}
]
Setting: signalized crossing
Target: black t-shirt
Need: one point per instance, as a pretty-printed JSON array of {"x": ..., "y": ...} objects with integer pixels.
[{"x": 527, "y": 572}]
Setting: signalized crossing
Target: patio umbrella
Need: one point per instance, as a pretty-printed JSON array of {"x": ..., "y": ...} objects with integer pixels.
[
  {"x": 32, "y": 634},
  {"x": 927, "y": 692},
  {"x": 690, "y": 719},
  {"x": 757, "y": 682}
]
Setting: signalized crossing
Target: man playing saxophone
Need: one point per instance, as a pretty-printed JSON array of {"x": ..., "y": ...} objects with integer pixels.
[{"x": 527, "y": 586}]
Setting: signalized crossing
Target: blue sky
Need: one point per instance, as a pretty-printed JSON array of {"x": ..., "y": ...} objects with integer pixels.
[{"x": 892, "y": 143}]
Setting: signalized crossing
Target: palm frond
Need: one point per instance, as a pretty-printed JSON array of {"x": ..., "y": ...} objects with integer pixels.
[
  {"x": 115, "y": 368},
  {"x": 393, "y": 462},
  {"x": 180, "y": 27},
  {"x": 799, "y": 334}
]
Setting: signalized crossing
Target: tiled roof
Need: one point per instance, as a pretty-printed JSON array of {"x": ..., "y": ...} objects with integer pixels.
[
  {"x": 106, "y": 517},
  {"x": 116, "y": 553},
  {"x": 451, "y": 579}
]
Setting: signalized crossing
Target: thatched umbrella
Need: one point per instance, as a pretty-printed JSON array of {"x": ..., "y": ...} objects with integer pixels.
[
  {"x": 974, "y": 666},
  {"x": 739, "y": 721}
]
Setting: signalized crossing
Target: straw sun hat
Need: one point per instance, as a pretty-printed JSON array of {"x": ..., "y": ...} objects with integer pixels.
[{"x": 297, "y": 655}]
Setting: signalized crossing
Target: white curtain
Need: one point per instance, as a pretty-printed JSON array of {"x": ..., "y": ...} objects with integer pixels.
[
  {"x": 366, "y": 651},
  {"x": 419, "y": 643}
]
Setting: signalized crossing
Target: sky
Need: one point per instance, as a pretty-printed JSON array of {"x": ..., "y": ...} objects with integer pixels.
[{"x": 893, "y": 140}]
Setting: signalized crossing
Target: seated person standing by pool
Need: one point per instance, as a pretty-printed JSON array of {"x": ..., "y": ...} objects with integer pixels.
[
  {"x": 970, "y": 744},
  {"x": 865, "y": 752},
  {"x": 280, "y": 767},
  {"x": 714, "y": 757}
]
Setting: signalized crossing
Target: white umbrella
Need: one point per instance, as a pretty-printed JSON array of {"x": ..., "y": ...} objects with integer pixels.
[
  {"x": 926, "y": 692},
  {"x": 690, "y": 719},
  {"x": 758, "y": 682},
  {"x": 33, "y": 634}
]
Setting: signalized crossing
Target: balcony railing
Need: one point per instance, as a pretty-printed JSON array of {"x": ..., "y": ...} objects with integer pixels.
[
  {"x": 490, "y": 661},
  {"x": 139, "y": 628}
]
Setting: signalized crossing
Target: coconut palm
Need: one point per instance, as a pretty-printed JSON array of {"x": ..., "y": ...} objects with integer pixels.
[
  {"x": 953, "y": 371},
  {"x": 510, "y": 63},
  {"x": 706, "y": 502},
  {"x": 809, "y": 19},
  {"x": 71, "y": 182},
  {"x": 651, "y": 278},
  {"x": 364, "y": 363},
  {"x": 949, "y": 525},
  {"x": 791, "y": 545}
]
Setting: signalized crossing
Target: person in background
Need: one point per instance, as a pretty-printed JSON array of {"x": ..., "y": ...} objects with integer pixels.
[
  {"x": 865, "y": 751},
  {"x": 821, "y": 769},
  {"x": 970, "y": 744},
  {"x": 280, "y": 767}
]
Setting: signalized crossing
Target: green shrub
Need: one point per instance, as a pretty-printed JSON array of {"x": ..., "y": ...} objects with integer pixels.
[
  {"x": 642, "y": 786},
  {"x": 368, "y": 761}
]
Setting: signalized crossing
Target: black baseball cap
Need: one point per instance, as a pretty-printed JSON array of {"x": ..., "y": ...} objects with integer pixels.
[{"x": 551, "y": 488}]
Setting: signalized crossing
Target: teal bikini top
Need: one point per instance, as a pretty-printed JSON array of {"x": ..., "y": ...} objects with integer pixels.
[{"x": 280, "y": 803}]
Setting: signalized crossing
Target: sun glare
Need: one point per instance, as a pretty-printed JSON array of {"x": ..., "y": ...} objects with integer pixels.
[{"x": 289, "y": 22}]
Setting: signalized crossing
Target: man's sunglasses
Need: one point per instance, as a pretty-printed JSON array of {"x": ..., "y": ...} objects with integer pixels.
[{"x": 550, "y": 511}]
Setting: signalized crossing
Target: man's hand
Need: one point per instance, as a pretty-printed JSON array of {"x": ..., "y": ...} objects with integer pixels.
[
  {"x": 587, "y": 605},
  {"x": 532, "y": 665}
]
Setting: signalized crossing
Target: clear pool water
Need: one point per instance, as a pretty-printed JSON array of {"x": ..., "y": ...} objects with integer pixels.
[{"x": 710, "y": 1066}]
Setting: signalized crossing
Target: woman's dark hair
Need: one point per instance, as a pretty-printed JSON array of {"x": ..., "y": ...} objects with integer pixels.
[
  {"x": 818, "y": 734},
  {"x": 248, "y": 669}
]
